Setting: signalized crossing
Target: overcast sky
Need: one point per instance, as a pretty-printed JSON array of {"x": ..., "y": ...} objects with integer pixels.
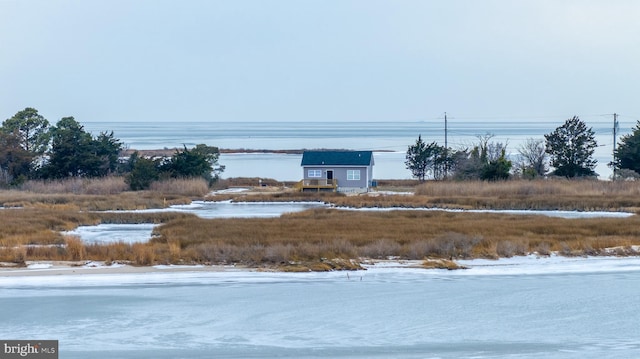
[{"x": 306, "y": 60}]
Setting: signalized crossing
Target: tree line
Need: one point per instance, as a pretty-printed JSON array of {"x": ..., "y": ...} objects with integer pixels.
[
  {"x": 31, "y": 148},
  {"x": 565, "y": 152}
]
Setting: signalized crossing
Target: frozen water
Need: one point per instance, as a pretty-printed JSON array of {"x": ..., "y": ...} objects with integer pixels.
[
  {"x": 555, "y": 213},
  {"x": 551, "y": 307},
  {"x": 113, "y": 233},
  {"x": 229, "y": 209}
]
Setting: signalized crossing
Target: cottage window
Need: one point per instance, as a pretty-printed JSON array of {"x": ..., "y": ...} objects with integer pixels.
[
  {"x": 315, "y": 173},
  {"x": 353, "y": 175}
]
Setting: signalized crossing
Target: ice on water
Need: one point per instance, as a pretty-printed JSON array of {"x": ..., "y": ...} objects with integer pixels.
[{"x": 523, "y": 307}]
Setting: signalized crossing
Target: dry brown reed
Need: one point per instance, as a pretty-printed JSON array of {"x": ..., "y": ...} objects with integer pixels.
[
  {"x": 326, "y": 239},
  {"x": 121, "y": 201},
  {"x": 325, "y": 234},
  {"x": 38, "y": 225},
  {"x": 192, "y": 187},
  {"x": 541, "y": 195},
  {"x": 250, "y": 182},
  {"x": 75, "y": 248},
  {"x": 538, "y": 194},
  {"x": 100, "y": 186}
]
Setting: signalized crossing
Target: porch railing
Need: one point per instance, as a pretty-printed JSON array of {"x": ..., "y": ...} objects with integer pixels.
[{"x": 317, "y": 184}]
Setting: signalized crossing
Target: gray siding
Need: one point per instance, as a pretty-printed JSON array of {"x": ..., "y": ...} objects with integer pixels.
[{"x": 340, "y": 174}]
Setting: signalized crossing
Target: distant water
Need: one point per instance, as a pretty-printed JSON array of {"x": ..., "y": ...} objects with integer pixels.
[{"x": 381, "y": 137}]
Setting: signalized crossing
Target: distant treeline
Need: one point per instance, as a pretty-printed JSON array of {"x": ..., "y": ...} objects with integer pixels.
[{"x": 31, "y": 148}]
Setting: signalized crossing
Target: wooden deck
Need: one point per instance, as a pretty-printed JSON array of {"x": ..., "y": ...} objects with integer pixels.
[{"x": 317, "y": 185}]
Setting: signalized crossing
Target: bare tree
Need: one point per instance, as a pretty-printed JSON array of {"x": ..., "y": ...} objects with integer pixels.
[
  {"x": 532, "y": 161},
  {"x": 486, "y": 161}
]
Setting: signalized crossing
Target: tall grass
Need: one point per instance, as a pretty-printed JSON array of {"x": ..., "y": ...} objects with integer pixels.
[
  {"x": 115, "y": 185},
  {"x": 193, "y": 187},
  {"x": 86, "y": 202},
  {"x": 318, "y": 238},
  {"x": 554, "y": 187},
  {"x": 541, "y": 195},
  {"x": 317, "y": 234},
  {"x": 75, "y": 248},
  {"x": 102, "y": 186},
  {"x": 325, "y": 239}
]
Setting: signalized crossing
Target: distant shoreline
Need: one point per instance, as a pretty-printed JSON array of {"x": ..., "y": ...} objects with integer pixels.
[{"x": 167, "y": 152}]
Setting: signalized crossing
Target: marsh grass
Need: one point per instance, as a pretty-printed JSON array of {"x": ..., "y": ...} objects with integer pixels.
[
  {"x": 193, "y": 187},
  {"x": 439, "y": 263},
  {"x": 98, "y": 186},
  {"x": 87, "y": 202},
  {"x": 75, "y": 248},
  {"x": 323, "y": 234},
  {"x": 539, "y": 194},
  {"x": 327, "y": 239},
  {"x": 556, "y": 194}
]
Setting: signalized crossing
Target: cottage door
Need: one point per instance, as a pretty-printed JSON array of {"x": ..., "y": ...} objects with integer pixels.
[{"x": 329, "y": 176}]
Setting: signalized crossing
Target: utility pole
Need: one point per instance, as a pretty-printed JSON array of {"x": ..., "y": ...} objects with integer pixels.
[
  {"x": 445, "y": 131},
  {"x": 615, "y": 135},
  {"x": 446, "y": 148}
]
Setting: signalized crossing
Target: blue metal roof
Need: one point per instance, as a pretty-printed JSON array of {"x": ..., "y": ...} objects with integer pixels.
[{"x": 337, "y": 158}]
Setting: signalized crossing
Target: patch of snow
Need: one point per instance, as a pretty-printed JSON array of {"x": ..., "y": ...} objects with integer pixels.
[
  {"x": 230, "y": 190},
  {"x": 38, "y": 265},
  {"x": 390, "y": 193},
  {"x": 100, "y": 264},
  {"x": 174, "y": 266}
]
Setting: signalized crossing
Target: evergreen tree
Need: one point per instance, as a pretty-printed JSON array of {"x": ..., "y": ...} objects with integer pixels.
[
  {"x": 571, "y": 147},
  {"x": 31, "y": 128},
  {"x": 422, "y": 158},
  {"x": 143, "y": 172},
  {"x": 70, "y": 150},
  {"x": 497, "y": 169},
  {"x": 201, "y": 161},
  {"x": 15, "y": 161},
  {"x": 75, "y": 153},
  {"x": 417, "y": 159},
  {"x": 107, "y": 148},
  {"x": 628, "y": 152}
]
